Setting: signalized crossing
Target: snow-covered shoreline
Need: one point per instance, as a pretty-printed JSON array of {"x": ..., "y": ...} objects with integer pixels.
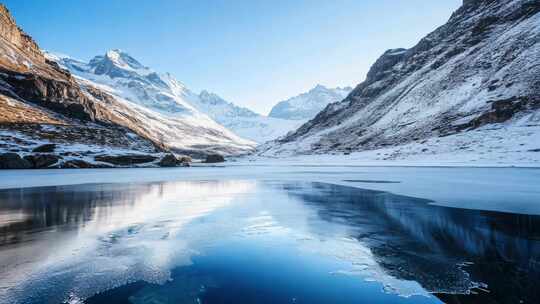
[{"x": 498, "y": 145}]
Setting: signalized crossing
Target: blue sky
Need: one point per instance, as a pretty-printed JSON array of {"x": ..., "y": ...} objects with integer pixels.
[{"x": 254, "y": 53}]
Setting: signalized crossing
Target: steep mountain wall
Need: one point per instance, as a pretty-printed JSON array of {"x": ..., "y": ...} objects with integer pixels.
[
  {"x": 479, "y": 69},
  {"x": 11, "y": 32}
]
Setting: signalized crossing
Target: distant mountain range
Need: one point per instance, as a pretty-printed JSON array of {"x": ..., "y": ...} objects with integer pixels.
[
  {"x": 243, "y": 121},
  {"x": 306, "y": 105},
  {"x": 123, "y": 76}
]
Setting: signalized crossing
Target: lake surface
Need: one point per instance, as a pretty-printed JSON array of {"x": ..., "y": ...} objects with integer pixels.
[{"x": 312, "y": 235}]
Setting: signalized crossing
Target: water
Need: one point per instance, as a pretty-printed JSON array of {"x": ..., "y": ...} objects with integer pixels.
[{"x": 269, "y": 240}]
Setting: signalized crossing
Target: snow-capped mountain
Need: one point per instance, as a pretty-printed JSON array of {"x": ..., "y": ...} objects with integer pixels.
[
  {"x": 161, "y": 106},
  {"x": 478, "y": 75},
  {"x": 243, "y": 121},
  {"x": 306, "y": 105},
  {"x": 123, "y": 76}
]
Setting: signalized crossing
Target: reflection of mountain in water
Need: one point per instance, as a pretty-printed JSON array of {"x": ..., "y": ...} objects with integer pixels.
[
  {"x": 62, "y": 207},
  {"x": 413, "y": 240},
  {"x": 91, "y": 238}
]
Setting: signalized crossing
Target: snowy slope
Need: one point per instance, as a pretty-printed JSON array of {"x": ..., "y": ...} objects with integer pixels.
[
  {"x": 121, "y": 75},
  {"x": 479, "y": 70},
  {"x": 243, "y": 121},
  {"x": 306, "y": 105},
  {"x": 157, "y": 105}
]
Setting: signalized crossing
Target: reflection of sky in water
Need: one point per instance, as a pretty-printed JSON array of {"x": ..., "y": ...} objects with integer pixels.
[{"x": 71, "y": 242}]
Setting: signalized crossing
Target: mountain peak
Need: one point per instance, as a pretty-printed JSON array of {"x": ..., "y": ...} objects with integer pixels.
[
  {"x": 123, "y": 59},
  {"x": 117, "y": 63},
  {"x": 307, "y": 105},
  {"x": 205, "y": 93}
]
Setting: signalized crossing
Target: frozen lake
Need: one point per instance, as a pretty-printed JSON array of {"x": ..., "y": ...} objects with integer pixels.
[{"x": 256, "y": 233}]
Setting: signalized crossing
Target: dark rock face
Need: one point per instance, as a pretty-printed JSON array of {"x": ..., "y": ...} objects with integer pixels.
[
  {"x": 214, "y": 158},
  {"x": 13, "y": 161},
  {"x": 46, "y": 148},
  {"x": 60, "y": 95},
  {"x": 126, "y": 160},
  {"x": 41, "y": 161}
]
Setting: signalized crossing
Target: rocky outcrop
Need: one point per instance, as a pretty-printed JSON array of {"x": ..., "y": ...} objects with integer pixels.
[
  {"x": 60, "y": 95},
  {"x": 171, "y": 160}
]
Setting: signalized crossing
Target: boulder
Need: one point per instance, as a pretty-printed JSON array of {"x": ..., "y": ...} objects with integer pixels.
[
  {"x": 46, "y": 148},
  {"x": 13, "y": 161},
  {"x": 126, "y": 160},
  {"x": 169, "y": 160},
  {"x": 40, "y": 161},
  {"x": 214, "y": 158},
  {"x": 185, "y": 161}
]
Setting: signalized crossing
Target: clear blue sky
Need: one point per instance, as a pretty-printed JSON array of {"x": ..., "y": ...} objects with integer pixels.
[{"x": 254, "y": 53}]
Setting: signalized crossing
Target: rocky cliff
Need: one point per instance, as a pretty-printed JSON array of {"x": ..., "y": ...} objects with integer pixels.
[
  {"x": 14, "y": 35},
  {"x": 478, "y": 72},
  {"x": 26, "y": 74}
]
